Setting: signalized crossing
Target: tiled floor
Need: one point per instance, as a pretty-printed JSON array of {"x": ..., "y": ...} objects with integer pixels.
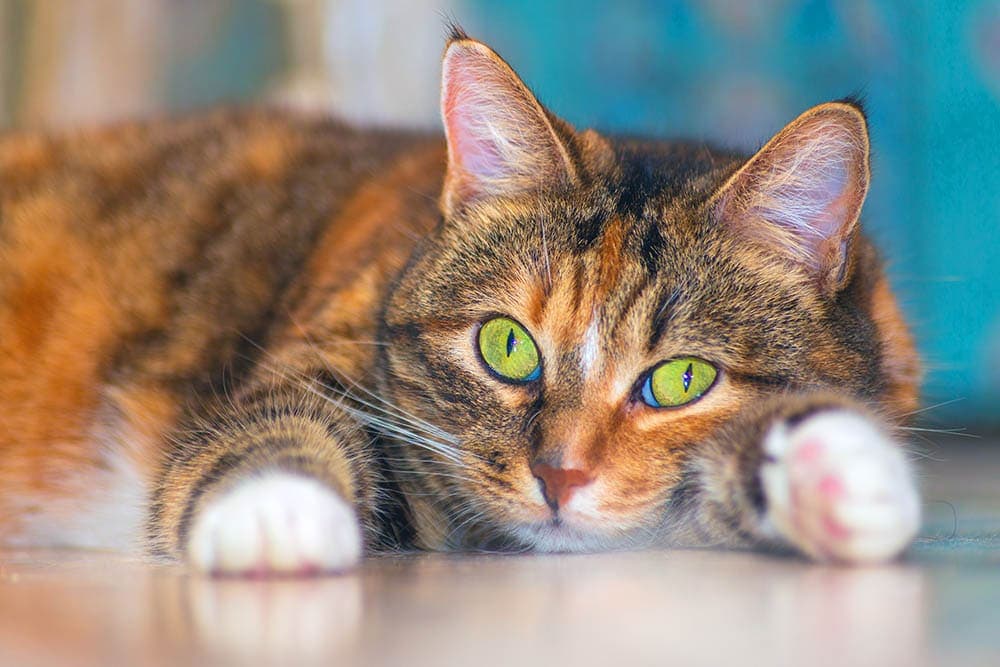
[{"x": 941, "y": 605}]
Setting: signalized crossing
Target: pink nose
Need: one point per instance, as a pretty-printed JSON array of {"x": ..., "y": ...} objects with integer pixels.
[{"x": 558, "y": 484}]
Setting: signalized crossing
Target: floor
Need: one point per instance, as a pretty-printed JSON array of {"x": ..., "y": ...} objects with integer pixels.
[{"x": 940, "y": 605}]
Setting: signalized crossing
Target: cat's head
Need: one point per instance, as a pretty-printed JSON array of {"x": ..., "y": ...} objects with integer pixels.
[{"x": 591, "y": 309}]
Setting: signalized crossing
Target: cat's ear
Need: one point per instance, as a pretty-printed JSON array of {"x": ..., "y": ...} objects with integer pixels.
[
  {"x": 500, "y": 139},
  {"x": 801, "y": 194}
]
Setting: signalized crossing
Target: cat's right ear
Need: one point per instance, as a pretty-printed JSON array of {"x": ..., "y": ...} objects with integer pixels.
[
  {"x": 501, "y": 142},
  {"x": 802, "y": 193}
]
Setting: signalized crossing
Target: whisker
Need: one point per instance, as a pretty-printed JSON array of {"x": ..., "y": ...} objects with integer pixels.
[
  {"x": 390, "y": 410},
  {"x": 474, "y": 515},
  {"x": 941, "y": 431},
  {"x": 933, "y": 407},
  {"x": 382, "y": 424},
  {"x": 386, "y": 408},
  {"x": 427, "y": 473},
  {"x": 355, "y": 385}
]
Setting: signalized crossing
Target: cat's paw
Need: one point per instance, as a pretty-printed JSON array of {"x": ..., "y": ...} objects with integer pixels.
[
  {"x": 279, "y": 523},
  {"x": 839, "y": 489}
]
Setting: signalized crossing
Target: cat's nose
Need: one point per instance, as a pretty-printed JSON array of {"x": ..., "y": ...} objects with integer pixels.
[{"x": 558, "y": 484}]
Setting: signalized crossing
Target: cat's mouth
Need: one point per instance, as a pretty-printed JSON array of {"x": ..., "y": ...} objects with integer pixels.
[
  {"x": 577, "y": 525},
  {"x": 556, "y": 535},
  {"x": 572, "y": 532}
]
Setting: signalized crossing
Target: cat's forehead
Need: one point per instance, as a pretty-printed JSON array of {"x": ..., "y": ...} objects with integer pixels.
[
  {"x": 649, "y": 173},
  {"x": 647, "y": 206},
  {"x": 600, "y": 271},
  {"x": 612, "y": 280},
  {"x": 618, "y": 241},
  {"x": 611, "y": 263},
  {"x": 615, "y": 254}
]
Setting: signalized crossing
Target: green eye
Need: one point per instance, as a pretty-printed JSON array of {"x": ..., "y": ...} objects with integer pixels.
[
  {"x": 677, "y": 382},
  {"x": 507, "y": 348}
]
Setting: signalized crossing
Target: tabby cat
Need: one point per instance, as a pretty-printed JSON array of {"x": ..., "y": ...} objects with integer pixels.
[{"x": 262, "y": 342}]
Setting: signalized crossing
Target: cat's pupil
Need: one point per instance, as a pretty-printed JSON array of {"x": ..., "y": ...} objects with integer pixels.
[
  {"x": 511, "y": 342},
  {"x": 688, "y": 374}
]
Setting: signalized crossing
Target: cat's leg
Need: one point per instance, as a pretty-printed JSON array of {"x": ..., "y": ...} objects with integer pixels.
[
  {"x": 818, "y": 473},
  {"x": 276, "y": 481}
]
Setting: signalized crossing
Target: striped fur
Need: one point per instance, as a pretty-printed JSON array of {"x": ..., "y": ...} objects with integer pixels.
[{"x": 201, "y": 300}]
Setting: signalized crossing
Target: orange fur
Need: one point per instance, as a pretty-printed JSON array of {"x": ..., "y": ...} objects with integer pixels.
[
  {"x": 229, "y": 293},
  {"x": 902, "y": 364}
]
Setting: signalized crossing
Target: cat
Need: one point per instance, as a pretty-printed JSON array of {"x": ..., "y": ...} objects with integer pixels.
[{"x": 262, "y": 342}]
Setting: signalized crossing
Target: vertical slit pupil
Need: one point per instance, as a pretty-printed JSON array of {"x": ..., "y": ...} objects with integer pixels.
[
  {"x": 688, "y": 374},
  {"x": 511, "y": 342}
]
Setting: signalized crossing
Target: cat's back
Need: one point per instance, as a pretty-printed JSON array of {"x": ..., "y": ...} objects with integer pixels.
[
  {"x": 152, "y": 248},
  {"x": 185, "y": 179}
]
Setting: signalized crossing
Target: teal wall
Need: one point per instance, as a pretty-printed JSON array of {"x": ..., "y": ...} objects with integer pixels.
[{"x": 735, "y": 72}]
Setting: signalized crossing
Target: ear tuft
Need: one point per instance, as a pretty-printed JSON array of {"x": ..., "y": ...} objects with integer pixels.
[
  {"x": 802, "y": 193},
  {"x": 455, "y": 31},
  {"x": 857, "y": 101},
  {"x": 500, "y": 140}
]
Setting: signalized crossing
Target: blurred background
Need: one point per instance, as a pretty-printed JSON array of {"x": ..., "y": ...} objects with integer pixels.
[{"x": 725, "y": 71}]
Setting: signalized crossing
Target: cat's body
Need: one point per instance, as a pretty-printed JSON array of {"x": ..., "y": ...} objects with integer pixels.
[
  {"x": 240, "y": 336},
  {"x": 146, "y": 266}
]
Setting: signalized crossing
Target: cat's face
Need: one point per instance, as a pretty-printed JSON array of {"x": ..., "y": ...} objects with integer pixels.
[{"x": 590, "y": 311}]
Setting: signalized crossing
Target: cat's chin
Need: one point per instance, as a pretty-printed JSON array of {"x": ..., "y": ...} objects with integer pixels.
[{"x": 560, "y": 537}]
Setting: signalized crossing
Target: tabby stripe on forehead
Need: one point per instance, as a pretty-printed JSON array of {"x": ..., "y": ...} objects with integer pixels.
[
  {"x": 619, "y": 305},
  {"x": 653, "y": 247},
  {"x": 609, "y": 257},
  {"x": 664, "y": 315}
]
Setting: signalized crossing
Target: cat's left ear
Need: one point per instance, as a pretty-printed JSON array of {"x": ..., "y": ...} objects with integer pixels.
[
  {"x": 802, "y": 193},
  {"x": 501, "y": 141}
]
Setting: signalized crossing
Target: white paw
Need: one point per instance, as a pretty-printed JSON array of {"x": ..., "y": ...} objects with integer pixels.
[
  {"x": 840, "y": 489},
  {"x": 279, "y": 523}
]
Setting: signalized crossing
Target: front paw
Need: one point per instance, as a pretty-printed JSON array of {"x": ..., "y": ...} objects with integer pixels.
[
  {"x": 839, "y": 489},
  {"x": 279, "y": 523}
]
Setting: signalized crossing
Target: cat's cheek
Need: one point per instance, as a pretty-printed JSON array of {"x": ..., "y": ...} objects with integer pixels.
[
  {"x": 275, "y": 524},
  {"x": 839, "y": 489}
]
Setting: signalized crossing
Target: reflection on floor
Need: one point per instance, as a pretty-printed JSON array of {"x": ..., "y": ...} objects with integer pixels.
[{"x": 940, "y": 605}]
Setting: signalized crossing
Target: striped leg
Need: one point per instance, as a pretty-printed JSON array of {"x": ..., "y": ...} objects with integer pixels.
[{"x": 275, "y": 481}]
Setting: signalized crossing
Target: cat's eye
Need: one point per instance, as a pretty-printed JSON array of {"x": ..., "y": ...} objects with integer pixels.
[
  {"x": 678, "y": 382},
  {"x": 509, "y": 350}
]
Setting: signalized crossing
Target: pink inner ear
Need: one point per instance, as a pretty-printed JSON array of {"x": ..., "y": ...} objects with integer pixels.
[
  {"x": 473, "y": 145},
  {"x": 812, "y": 197},
  {"x": 804, "y": 193},
  {"x": 499, "y": 139}
]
